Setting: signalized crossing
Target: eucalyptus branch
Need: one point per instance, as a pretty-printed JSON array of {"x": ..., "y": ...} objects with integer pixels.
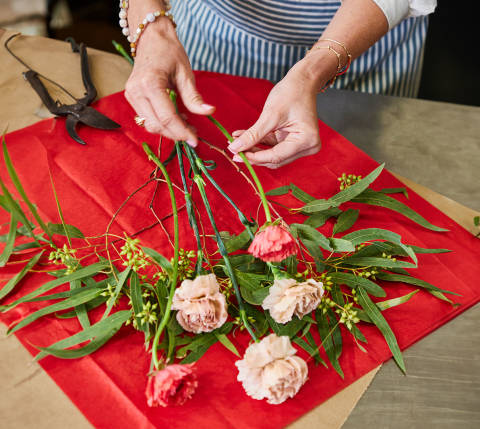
[
  {"x": 173, "y": 279},
  {"x": 192, "y": 218},
  {"x": 197, "y": 178},
  {"x": 239, "y": 171},
  {"x": 207, "y": 174},
  {"x": 261, "y": 192}
]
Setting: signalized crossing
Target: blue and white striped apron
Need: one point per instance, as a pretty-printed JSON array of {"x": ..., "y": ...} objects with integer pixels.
[{"x": 265, "y": 38}]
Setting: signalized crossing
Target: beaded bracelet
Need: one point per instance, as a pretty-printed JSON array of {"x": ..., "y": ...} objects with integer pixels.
[{"x": 149, "y": 18}]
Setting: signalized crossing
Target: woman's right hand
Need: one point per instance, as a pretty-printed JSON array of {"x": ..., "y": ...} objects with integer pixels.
[{"x": 160, "y": 64}]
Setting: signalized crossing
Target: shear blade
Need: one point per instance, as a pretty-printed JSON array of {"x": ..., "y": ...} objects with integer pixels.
[
  {"x": 93, "y": 118},
  {"x": 72, "y": 132}
]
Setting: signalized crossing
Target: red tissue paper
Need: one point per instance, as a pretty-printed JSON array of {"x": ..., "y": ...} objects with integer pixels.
[{"x": 92, "y": 182}]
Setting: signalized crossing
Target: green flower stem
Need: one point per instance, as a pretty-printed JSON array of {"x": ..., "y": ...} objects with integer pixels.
[
  {"x": 261, "y": 192},
  {"x": 221, "y": 246},
  {"x": 122, "y": 51},
  {"x": 191, "y": 212},
  {"x": 207, "y": 174},
  {"x": 173, "y": 279}
]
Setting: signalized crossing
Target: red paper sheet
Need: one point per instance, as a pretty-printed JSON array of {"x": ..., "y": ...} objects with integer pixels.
[{"x": 92, "y": 181}]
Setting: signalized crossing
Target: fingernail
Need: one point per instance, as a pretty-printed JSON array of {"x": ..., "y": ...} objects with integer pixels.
[
  {"x": 237, "y": 158},
  {"x": 235, "y": 146},
  {"x": 207, "y": 106},
  {"x": 192, "y": 143}
]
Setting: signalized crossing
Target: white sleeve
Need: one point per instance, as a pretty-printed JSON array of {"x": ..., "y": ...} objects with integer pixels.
[{"x": 397, "y": 10}]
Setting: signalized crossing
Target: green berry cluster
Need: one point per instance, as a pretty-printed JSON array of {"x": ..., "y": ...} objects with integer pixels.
[
  {"x": 135, "y": 257},
  {"x": 65, "y": 256},
  {"x": 110, "y": 292},
  {"x": 148, "y": 313},
  {"x": 384, "y": 255},
  {"x": 325, "y": 304},
  {"x": 238, "y": 321},
  {"x": 226, "y": 288},
  {"x": 348, "y": 315},
  {"x": 186, "y": 264},
  {"x": 327, "y": 281},
  {"x": 347, "y": 180},
  {"x": 369, "y": 272}
]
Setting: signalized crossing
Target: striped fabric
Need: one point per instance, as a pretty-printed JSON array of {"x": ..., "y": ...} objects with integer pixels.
[{"x": 265, "y": 38}]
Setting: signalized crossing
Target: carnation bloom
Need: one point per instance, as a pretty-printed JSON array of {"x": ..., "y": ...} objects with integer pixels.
[
  {"x": 273, "y": 244},
  {"x": 287, "y": 297},
  {"x": 270, "y": 370},
  {"x": 173, "y": 385},
  {"x": 200, "y": 304}
]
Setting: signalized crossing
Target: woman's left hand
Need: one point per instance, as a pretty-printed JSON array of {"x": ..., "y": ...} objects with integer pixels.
[{"x": 288, "y": 123}]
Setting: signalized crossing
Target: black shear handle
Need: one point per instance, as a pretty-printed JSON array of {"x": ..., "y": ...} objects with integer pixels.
[
  {"x": 91, "y": 92},
  {"x": 42, "y": 92}
]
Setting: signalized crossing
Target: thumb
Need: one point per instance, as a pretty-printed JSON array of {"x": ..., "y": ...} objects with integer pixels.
[
  {"x": 254, "y": 135},
  {"x": 191, "y": 98}
]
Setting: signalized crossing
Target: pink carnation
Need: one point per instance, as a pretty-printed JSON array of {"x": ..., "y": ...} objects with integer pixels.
[
  {"x": 273, "y": 244},
  {"x": 173, "y": 385}
]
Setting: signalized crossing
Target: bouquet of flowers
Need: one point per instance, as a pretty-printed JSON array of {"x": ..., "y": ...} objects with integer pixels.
[{"x": 285, "y": 284}]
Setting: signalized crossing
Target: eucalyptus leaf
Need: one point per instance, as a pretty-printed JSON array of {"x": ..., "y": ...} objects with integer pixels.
[
  {"x": 13, "y": 207},
  {"x": 10, "y": 285},
  {"x": 25, "y": 246},
  {"x": 356, "y": 281},
  {"x": 325, "y": 329},
  {"x": 395, "y": 191},
  {"x": 227, "y": 343},
  {"x": 376, "y": 316},
  {"x": 378, "y": 262},
  {"x": 363, "y": 235},
  {"x": 122, "y": 278},
  {"x": 389, "y": 303},
  {"x": 91, "y": 347},
  {"x": 413, "y": 281},
  {"x": 374, "y": 198},
  {"x": 81, "y": 309},
  {"x": 198, "y": 347},
  {"x": 343, "y": 196},
  {"x": 304, "y": 231},
  {"x": 90, "y": 305},
  {"x": 59, "y": 229},
  {"x": 240, "y": 241},
  {"x": 419, "y": 250},
  {"x": 282, "y": 190},
  {"x": 137, "y": 301},
  {"x": 311, "y": 350},
  {"x": 300, "y": 194},
  {"x": 99, "y": 329},
  {"x": 16, "y": 182},
  {"x": 251, "y": 287},
  {"x": 88, "y": 271},
  {"x": 80, "y": 298},
  {"x": 340, "y": 245},
  {"x": 318, "y": 219},
  {"x": 345, "y": 221},
  {"x": 260, "y": 323},
  {"x": 159, "y": 259},
  {"x": 289, "y": 329},
  {"x": 12, "y": 233}
]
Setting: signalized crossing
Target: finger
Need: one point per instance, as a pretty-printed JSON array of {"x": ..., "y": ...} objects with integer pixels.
[
  {"x": 193, "y": 101},
  {"x": 281, "y": 154},
  {"x": 270, "y": 139},
  {"x": 144, "y": 110},
  {"x": 168, "y": 122},
  {"x": 286, "y": 161},
  {"x": 254, "y": 134}
]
